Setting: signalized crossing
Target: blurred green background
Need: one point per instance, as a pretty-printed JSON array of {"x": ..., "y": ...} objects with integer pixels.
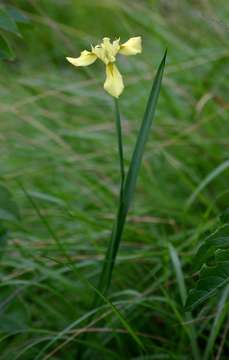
[{"x": 59, "y": 159}]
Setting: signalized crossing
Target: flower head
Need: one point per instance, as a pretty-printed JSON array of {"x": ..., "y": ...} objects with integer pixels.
[{"x": 107, "y": 52}]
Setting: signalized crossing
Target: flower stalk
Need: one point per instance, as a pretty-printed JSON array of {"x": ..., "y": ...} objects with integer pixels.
[{"x": 120, "y": 146}]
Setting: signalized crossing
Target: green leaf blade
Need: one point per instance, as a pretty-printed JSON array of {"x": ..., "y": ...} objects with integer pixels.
[
  {"x": 131, "y": 179},
  {"x": 213, "y": 256},
  {"x": 143, "y": 136}
]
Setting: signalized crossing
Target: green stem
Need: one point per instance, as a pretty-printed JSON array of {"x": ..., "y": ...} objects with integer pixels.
[
  {"x": 120, "y": 145},
  {"x": 108, "y": 264}
]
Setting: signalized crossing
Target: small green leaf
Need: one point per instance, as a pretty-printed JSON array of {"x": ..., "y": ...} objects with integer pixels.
[
  {"x": 6, "y": 52},
  {"x": 7, "y": 23}
]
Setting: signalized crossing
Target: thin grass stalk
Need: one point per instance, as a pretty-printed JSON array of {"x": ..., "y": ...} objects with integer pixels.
[
  {"x": 190, "y": 326},
  {"x": 107, "y": 264},
  {"x": 120, "y": 145},
  {"x": 222, "y": 310}
]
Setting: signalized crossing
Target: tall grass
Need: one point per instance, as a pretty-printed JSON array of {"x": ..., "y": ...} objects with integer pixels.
[{"x": 57, "y": 137}]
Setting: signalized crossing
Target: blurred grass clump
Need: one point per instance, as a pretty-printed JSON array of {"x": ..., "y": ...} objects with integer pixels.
[{"x": 57, "y": 138}]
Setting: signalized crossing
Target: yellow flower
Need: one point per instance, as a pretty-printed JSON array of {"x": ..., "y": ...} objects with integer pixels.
[{"x": 107, "y": 52}]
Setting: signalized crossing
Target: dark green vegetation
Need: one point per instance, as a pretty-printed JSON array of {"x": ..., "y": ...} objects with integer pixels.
[
  {"x": 59, "y": 160},
  {"x": 10, "y": 17},
  {"x": 213, "y": 260}
]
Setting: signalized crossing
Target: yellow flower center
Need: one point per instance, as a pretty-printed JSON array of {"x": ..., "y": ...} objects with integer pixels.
[{"x": 107, "y": 51}]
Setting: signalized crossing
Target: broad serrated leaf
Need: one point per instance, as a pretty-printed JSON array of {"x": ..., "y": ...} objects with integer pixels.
[
  {"x": 219, "y": 239},
  {"x": 8, "y": 208},
  {"x": 222, "y": 255},
  {"x": 212, "y": 278},
  {"x": 215, "y": 276},
  {"x": 7, "y": 23},
  {"x": 6, "y": 52}
]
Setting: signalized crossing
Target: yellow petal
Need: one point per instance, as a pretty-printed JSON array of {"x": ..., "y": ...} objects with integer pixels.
[
  {"x": 114, "y": 83},
  {"x": 116, "y": 46},
  {"x": 131, "y": 47},
  {"x": 86, "y": 58},
  {"x": 100, "y": 53}
]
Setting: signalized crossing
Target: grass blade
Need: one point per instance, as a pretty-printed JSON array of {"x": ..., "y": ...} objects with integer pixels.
[
  {"x": 179, "y": 274},
  {"x": 221, "y": 313},
  {"x": 190, "y": 328},
  {"x": 216, "y": 172}
]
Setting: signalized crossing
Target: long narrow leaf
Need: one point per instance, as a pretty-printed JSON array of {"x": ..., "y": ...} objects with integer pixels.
[
  {"x": 210, "y": 177},
  {"x": 221, "y": 313},
  {"x": 189, "y": 326},
  {"x": 131, "y": 180},
  {"x": 143, "y": 136}
]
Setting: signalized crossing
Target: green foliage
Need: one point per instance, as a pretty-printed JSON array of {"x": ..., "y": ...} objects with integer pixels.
[
  {"x": 9, "y": 213},
  {"x": 3, "y": 237},
  {"x": 214, "y": 251},
  {"x": 8, "y": 23},
  {"x": 10, "y": 16},
  {"x": 57, "y": 136},
  {"x": 6, "y": 51},
  {"x": 8, "y": 208}
]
